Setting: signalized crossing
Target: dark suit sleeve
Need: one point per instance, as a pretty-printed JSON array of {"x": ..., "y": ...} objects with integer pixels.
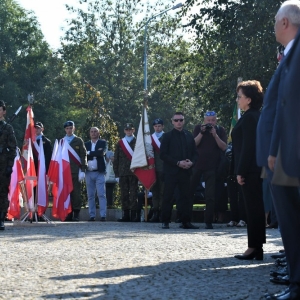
[
  {"x": 165, "y": 151},
  {"x": 99, "y": 153},
  {"x": 248, "y": 145}
]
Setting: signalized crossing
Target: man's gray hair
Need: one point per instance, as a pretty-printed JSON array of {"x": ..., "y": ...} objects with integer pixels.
[{"x": 291, "y": 10}]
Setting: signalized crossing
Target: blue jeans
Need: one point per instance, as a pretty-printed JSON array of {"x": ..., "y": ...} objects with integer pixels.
[{"x": 95, "y": 181}]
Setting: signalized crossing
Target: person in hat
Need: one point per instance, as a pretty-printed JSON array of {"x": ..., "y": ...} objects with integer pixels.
[
  {"x": 78, "y": 161},
  {"x": 8, "y": 145},
  {"x": 158, "y": 187},
  {"x": 127, "y": 180},
  {"x": 39, "y": 136}
]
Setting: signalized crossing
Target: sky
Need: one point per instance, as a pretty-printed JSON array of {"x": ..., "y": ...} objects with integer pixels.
[{"x": 51, "y": 16}]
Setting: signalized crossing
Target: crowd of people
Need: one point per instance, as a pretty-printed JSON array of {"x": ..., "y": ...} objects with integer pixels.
[{"x": 264, "y": 171}]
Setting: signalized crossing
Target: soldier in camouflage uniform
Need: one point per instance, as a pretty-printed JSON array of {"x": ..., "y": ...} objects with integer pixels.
[
  {"x": 8, "y": 145},
  {"x": 78, "y": 145},
  {"x": 127, "y": 180}
]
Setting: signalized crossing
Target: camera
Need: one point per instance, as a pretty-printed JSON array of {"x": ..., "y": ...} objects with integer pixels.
[{"x": 208, "y": 126}]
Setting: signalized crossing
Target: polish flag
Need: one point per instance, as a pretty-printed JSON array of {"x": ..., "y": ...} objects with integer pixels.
[
  {"x": 142, "y": 163},
  {"x": 42, "y": 191},
  {"x": 29, "y": 134},
  {"x": 53, "y": 174},
  {"x": 30, "y": 178},
  {"x": 17, "y": 177},
  {"x": 62, "y": 202},
  {"x": 53, "y": 166}
]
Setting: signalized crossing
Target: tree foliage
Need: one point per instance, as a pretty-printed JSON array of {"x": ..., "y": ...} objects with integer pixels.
[{"x": 236, "y": 38}]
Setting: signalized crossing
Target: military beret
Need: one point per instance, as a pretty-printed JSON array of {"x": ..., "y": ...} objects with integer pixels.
[
  {"x": 158, "y": 121},
  {"x": 38, "y": 124},
  {"x": 128, "y": 126},
  {"x": 69, "y": 123}
]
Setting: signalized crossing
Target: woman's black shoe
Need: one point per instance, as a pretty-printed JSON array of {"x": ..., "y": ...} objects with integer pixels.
[{"x": 257, "y": 254}]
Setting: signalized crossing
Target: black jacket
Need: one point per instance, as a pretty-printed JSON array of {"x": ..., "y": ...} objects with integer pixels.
[
  {"x": 171, "y": 150},
  {"x": 244, "y": 143},
  {"x": 99, "y": 154}
]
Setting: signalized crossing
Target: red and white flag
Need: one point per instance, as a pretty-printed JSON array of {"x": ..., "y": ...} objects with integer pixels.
[
  {"x": 29, "y": 134},
  {"x": 42, "y": 190},
  {"x": 142, "y": 163},
  {"x": 30, "y": 178},
  {"x": 17, "y": 177},
  {"x": 53, "y": 166},
  {"x": 62, "y": 203}
]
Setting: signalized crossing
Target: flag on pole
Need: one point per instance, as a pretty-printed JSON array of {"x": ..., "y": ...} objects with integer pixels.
[
  {"x": 42, "y": 191},
  {"x": 30, "y": 178},
  {"x": 29, "y": 134},
  {"x": 142, "y": 163},
  {"x": 235, "y": 117},
  {"x": 63, "y": 181},
  {"x": 17, "y": 177}
]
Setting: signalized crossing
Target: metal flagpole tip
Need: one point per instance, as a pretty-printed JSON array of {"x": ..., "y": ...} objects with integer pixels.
[{"x": 30, "y": 99}]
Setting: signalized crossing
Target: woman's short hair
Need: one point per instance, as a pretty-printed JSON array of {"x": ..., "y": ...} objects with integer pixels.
[{"x": 252, "y": 89}]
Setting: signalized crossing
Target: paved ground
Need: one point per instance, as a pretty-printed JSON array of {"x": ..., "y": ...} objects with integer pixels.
[{"x": 94, "y": 260}]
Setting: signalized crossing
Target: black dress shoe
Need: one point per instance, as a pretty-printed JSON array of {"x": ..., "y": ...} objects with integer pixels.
[
  {"x": 188, "y": 225},
  {"x": 102, "y": 219},
  {"x": 282, "y": 272},
  {"x": 287, "y": 290},
  {"x": 91, "y": 219},
  {"x": 276, "y": 295},
  {"x": 281, "y": 280},
  {"x": 165, "y": 226},
  {"x": 272, "y": 226},
  {"x": 257, "y": 254},
  {"x": 208, "y": 226},
  {"x": 279, "y": 255}
]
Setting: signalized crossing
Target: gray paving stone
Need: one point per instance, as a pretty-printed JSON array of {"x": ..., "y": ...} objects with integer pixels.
[{"x": 110, "y": 260}]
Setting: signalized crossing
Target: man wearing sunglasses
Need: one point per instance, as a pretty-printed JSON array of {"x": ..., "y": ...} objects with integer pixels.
[
  {"x": 209, "y": 139},
  {"x": 179, "y": 154}
]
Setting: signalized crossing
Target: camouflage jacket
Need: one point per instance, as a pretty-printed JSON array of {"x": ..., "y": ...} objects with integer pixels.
[
  {"x": 78, "y": 145},
  {"x": 8, "y": 145},
  {"x": 121, "y": 161}
]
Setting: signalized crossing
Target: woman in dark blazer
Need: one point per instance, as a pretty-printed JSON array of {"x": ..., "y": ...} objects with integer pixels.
[{"x": 249, "y": 99}]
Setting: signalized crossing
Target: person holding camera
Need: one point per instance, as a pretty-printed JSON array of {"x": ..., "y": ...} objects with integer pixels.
[{"x": 210, "y": 138}]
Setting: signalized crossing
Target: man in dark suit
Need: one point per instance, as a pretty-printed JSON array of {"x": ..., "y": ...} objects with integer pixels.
[
  {"x": 78, "y": 163},
  {"x": 95, "y": 174},
  {"x": 284, "y": 143},
  {"x": 179, "y": 154}
]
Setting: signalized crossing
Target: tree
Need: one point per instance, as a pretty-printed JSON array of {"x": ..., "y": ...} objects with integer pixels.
[
  {"x": 105, "y": 46},
  {"x": 23, "y": 54},
  {"x": 237, "y": 40}
]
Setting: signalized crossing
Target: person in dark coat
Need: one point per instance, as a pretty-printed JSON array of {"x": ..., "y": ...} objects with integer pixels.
[
  {"x": 284, "y": 149},
  {"x": 249, "y": 99},
  {"x": 95, "y": 173},
  {"x": 8, "y": 147},
  {"x": 179, "y": 154}
]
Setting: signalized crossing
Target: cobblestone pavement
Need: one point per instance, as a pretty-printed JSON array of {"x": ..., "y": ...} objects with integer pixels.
[{"x": 110, "y": 260}]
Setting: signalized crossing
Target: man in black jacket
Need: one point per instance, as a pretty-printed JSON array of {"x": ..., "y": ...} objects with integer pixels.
[
  {"x": 179, "y": 154},
  {"x": 95, "y": 174}
]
